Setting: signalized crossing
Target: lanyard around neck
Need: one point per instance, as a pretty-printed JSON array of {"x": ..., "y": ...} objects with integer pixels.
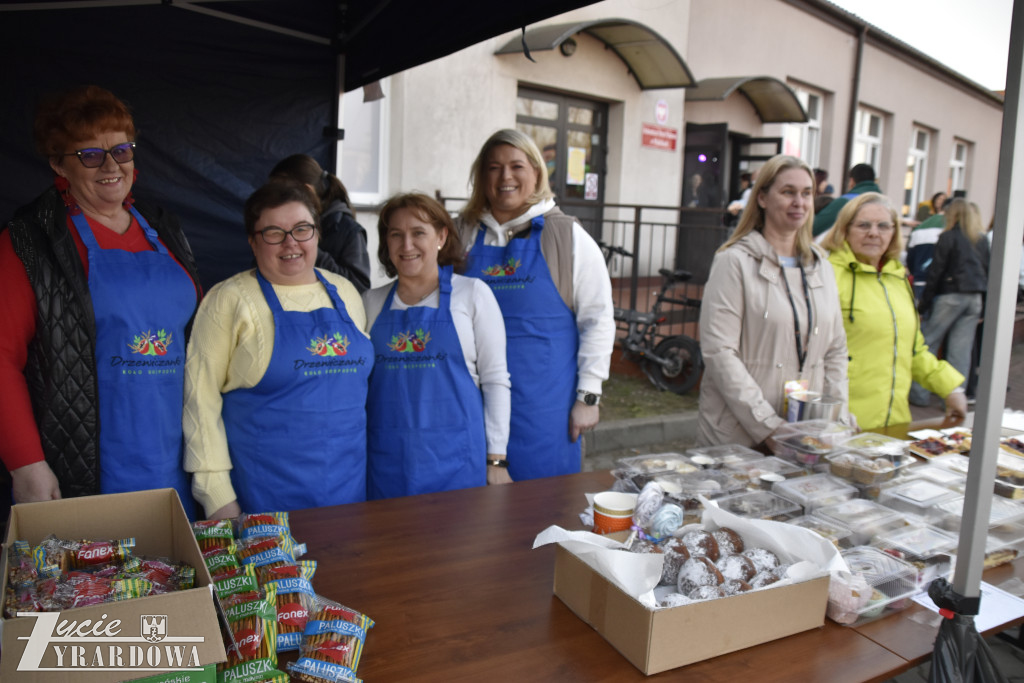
[{"x": 801, "y": 352}]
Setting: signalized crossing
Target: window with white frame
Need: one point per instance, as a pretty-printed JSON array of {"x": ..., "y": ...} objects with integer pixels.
[
  {"x": 867, "y": 142},
  {"x": 364, "y": 149},
  {"x": 914, "y": 190},
  {"x": 957, "y": 167},
  {"x": 803, "y": 140}
]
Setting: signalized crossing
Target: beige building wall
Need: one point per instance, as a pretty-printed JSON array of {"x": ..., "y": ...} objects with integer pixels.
[{"x": 441, "y": 112}]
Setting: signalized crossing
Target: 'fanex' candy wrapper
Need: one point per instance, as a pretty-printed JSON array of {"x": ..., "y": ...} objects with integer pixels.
[{"x": 637, "y": 574}]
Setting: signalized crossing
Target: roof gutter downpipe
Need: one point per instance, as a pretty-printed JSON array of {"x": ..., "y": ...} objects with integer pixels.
[{"x": 854, "y": 101}]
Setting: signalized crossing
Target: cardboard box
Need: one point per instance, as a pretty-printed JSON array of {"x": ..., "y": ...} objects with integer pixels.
[
  {"x": 110, "y": 636},
  {"x": 658, "y": 640}
]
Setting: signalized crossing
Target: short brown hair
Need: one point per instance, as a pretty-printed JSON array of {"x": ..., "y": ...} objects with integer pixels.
[
  {"x": 429, "y": 210},
  {"x": 79, "y": 114},
  {"x": 277, "y": 193}
]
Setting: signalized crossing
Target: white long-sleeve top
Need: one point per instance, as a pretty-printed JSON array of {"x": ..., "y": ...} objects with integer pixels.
[
  {"x": 481, "y": 332},
  {"x": 592, "y": 295}
]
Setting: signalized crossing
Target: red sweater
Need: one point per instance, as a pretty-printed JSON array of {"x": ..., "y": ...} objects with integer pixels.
[{"x": 20, "y": 445}]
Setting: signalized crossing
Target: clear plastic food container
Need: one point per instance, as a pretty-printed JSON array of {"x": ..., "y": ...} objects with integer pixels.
[
  {"x": 815, "y": 491},
  {"x": 875, "y": 445},
  {"x": 752, "y": 471},
  {"x": 684, "y": 489},
  {"x": 864, "y": 517},
  {"x": 918, "y": 496},
  {"x": 712, "y": 457},
  {"x": 953, "y": 462},
  {"x": 930, "y": 550},
  {"x": 640, "y": 469},
  {"x": 878, "y": 584},
  {"x": 837, "y": 533},
  {"x": 1004, "y": 511},
  {"x": 806, "y": 442},
  {"x": 866, "y": 467},
  {"x": 952, "y": 480},
  {"x": 760, "y": 505}
]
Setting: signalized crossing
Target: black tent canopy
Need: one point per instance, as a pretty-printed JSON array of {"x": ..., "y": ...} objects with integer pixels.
[{"x": 221, "y": 89}]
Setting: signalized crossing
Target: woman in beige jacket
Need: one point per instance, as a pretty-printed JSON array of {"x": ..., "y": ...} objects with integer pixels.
[{"x": 770, "y": 313}]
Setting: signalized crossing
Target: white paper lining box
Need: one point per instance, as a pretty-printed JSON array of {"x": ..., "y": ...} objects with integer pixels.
[
  {"x": 656, "y": 640},
  {"x": 158, "y": 523},
  {"x": 880, "y": 584}
]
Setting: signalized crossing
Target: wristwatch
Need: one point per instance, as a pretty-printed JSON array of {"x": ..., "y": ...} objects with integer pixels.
[{"x": 588, "y": 398}]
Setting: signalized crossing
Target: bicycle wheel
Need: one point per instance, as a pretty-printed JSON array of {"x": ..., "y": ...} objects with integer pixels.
[{"x": 684, "y": 366}]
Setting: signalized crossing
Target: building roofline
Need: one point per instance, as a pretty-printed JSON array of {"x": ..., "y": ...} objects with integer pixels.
[{"x": 841, "y": 18}]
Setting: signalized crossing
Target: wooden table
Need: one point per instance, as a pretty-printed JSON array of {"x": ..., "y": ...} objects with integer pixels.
[{"x": 458, "y": 595}]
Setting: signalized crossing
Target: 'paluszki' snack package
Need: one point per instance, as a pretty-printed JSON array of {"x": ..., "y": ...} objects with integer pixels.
[
  {"x": 252, "y": 654},
  {"x": 331, "y": 645},
  {"x": 270, "y": 525},
  {"x": 54, "y": 556},
  {"x": 214, "y": 533},
  {"x": 295, "y": 598}
]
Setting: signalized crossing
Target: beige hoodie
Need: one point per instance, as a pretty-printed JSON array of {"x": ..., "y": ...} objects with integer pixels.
[{"x": 749, "y": 345}]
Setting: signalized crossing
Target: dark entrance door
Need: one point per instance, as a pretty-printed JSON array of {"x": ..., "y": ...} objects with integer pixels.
[{"x": 571, "y": 134}]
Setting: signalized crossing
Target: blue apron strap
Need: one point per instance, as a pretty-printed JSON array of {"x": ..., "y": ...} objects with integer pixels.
[
  {"x": 480, "y": 232},
  {"x": 444, "y": 284},
  {"x": 151, "y": 235},
  {"x": 332, "y": 292},
  {"x": 269, "y": 294}
]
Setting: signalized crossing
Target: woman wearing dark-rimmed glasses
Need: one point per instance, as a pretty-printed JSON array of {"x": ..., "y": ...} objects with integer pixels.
[
  {"x": 277, "y": 372},
  {"x": 98, "y": 291}
]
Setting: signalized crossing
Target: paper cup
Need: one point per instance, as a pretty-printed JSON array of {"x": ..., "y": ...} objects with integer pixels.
[{"x": 613, "y": 511}]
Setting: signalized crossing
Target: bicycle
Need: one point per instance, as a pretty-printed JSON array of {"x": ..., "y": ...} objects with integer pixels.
[{"x": 675, "y": 363}]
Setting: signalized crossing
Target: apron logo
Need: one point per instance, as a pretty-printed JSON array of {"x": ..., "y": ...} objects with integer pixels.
[
  {"x": 329, "y": 346},
  {"x": 407, "y": 342},
  {"x": 509, "y": 268},
  {"x": 148, "y": 344}
]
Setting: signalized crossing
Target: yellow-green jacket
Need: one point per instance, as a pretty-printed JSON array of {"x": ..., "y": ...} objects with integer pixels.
[{"x": 884, "y": 341}]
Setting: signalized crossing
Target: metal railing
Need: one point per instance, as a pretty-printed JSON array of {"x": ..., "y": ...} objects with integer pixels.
[{"x": 671, "y": 237}]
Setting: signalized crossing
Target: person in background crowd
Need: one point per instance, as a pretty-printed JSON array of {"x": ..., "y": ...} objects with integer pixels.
[
  {"x": 862, "y": 179},
  {"x": 770, "y": 314},
  {"x": 98, "y": 294},
  {"x": 342, "y": 239},
  {"x": 277, "y": 372},
  {"x": 552, "y": 285},
  {"x": 883, "y": 335},
  {"x": 921, "y": 246},
  {"x": 953, "y": 296},
  {"x": 736, "y": 205},
  {"x": 821, "y": 185},
  {"x": 439, "y": 402},
  {"x": 925, "y": 210}
]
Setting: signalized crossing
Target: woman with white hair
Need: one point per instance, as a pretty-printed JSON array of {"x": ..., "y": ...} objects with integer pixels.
[
  {"x": 770, "y": 315},
  {"x": 552, "y": 285}
]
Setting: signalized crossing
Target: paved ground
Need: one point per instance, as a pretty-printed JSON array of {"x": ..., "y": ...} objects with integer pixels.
[{"x": 676, "y": 432}]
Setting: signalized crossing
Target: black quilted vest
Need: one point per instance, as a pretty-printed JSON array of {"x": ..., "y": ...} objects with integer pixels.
[{"x": 61, "y": 367}]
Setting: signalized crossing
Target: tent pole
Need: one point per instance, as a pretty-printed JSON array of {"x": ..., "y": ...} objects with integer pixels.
[
  {"x": 338, "y": 114},
  {"x": 998, "y": 333}
]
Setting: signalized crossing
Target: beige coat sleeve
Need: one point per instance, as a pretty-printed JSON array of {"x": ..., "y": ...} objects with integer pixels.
[{"x": 722, "y": 320}]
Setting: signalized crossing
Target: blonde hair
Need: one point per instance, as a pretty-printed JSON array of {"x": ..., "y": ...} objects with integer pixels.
[
  {"x": 839, "y": 234},
  {"x": 477, "y": 204},
  {"x": 752, "y": 217},
  {"x": 968, "y": 216}
]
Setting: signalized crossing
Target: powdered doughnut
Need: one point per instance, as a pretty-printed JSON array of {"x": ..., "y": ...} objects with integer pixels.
[
  {"x": 769, "y": 576},
  {"x": 736, "y": 567},
  {"x": 728, "y": 541},
  {"x": 762, "y": 558},
  {"x": 734, "y": 587},
  {"x": 674, "y": 600},
  {"x": 701, "y": 543},
  {"x": 706, "y": 593},
  {"x": 696, "y": 572},
  {"x": 676, "y": 553}
]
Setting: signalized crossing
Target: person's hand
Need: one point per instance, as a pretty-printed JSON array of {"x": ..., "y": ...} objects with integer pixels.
[
  {"x": 229, "y": 511},
  {"x": 956, "y": 406},
  {"x": 497, "y": 475},
  {"x": 34, "y": 483},
  {"x": 582, "y": 418}
]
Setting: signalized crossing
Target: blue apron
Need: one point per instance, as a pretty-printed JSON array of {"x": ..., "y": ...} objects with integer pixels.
[
  {"x": 298, "y": 438},
  {"x": 426, "y": 415},
  {"x": 142, "y": 302},
  {"x": 543, "y": 343}
]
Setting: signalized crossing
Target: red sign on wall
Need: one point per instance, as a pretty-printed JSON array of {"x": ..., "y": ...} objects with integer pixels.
[{"x": 659, "y": 137}]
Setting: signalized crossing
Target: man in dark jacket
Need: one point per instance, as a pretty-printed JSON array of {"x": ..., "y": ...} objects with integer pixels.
[{"x": 862, "y": 179}]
